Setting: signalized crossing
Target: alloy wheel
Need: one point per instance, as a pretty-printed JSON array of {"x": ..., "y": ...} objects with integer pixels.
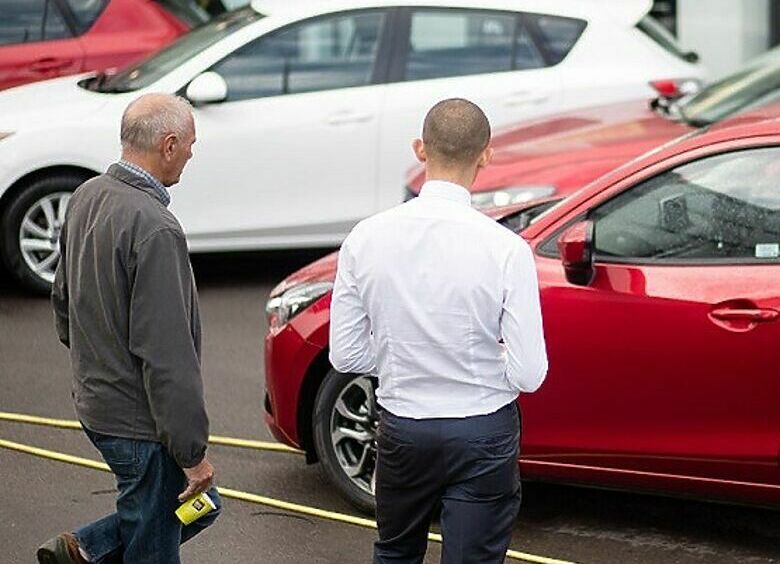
[
  {"x": 39, "y": 234},
  {"x": 353, "y": 429}
]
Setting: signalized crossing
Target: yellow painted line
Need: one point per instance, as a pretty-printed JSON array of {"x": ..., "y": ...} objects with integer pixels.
[
  {"x": 260, "y": 500},
  {"x": 213, "y": 439}
]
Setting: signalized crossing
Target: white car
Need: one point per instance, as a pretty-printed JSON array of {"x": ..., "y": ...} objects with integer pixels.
[{"x": 305, "y": 110}]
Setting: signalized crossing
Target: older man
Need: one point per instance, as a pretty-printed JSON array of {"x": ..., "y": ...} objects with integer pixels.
[
  {"x": 442, "y": 303},
  {"x": 125, "y": 304}
]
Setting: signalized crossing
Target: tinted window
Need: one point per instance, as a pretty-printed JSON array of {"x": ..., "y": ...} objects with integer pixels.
[
  {"x": 324, "y": 54},
  {"x": 456, "y": 43},
  {"x": 558, "y": 35},
  {"x": 86, "y": 12},
  {"x": 25, "y": 21},
  {"x": 527, "y": 55},
  {"x": 723, "y": 207}
]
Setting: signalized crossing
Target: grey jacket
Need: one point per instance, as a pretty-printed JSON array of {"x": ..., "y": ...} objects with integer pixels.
[{"x": 125, "y": 304}]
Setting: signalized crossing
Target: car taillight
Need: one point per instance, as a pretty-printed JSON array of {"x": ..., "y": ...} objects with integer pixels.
[{"x": 675, "y": 87}]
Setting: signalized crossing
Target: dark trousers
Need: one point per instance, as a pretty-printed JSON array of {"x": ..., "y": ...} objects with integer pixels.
[
  {"x": 466, "y": 466},
  {"x": 144, "y": 529}
]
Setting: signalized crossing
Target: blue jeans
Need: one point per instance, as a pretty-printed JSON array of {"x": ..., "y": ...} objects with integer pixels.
[{"x": 144, "y": 529}]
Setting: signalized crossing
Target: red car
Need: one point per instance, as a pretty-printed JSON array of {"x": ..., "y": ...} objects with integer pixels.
[
  {"x": 42, "y": 39},
  {"x": 560, "y": 154},
  {"x": 660, "y": 287}
]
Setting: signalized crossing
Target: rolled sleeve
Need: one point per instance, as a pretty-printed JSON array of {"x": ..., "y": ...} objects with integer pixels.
[
  {"x": 521, "y": 322},
  {"x": 351, "y": 348},
  {"x": 162, "y": 337}
]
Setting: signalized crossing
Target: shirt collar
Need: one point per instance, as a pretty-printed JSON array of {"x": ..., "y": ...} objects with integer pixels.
[
  {"x": 159, "y": 188},
  {"x": 446, "y": 190}
]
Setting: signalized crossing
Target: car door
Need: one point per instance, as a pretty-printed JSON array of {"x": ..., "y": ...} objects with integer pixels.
[
  {"x": 499, "y": 60},
  {"x": 666, "y": 362},
  {"x": 291, "y": 155},
  {"x": 36, "y": 43}
]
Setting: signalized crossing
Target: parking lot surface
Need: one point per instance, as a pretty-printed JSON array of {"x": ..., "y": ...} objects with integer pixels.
[{"x": 41, "y": 498}]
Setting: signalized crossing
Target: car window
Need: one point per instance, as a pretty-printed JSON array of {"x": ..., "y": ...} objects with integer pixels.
[
  {"x": 322, "y": 54},
  {"x": 460, "y": 42},
  {"x": 557, "y": 35},
  {"x": 86, "y": 12},
  {"x": 725, "y": 207},
  {"x": 527, "y": 54},
  {"x": 27, "y": 21}
]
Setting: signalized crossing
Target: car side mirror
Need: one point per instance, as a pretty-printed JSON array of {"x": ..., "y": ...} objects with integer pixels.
[
  {"x": 207, "y": 88},
  {"x": 576, "y": 249}
]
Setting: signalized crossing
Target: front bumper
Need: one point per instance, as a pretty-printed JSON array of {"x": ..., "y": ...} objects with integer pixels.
[{"x": 288, "y": 357}]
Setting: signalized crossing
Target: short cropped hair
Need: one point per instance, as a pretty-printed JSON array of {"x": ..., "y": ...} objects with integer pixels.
[
  {"x": 149, "y": 119},
  {"x": 455, "y": 131}
]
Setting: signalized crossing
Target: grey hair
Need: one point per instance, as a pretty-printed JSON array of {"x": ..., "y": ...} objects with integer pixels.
[{"x": 147, "y": 120}]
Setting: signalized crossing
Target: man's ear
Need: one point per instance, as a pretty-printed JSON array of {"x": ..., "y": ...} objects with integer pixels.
[
  {"x": 169, "y": 146},
  {"x": 419, "y": 150},
  {"x": 485, "y": 158}
]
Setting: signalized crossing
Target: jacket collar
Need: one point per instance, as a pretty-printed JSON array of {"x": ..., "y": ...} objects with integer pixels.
[{"x": 134, "y": 180}]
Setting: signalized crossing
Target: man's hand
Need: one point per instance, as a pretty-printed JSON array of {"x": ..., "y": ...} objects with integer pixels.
[{"x": 199, "y": 479}]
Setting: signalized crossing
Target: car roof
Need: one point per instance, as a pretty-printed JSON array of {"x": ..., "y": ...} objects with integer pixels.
[
  {"x": 761, "y": 123},
  {"x": 627, "y": 12}
]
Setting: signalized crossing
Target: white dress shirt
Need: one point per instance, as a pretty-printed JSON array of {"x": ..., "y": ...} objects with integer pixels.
[{"x": 442, "y": 304}]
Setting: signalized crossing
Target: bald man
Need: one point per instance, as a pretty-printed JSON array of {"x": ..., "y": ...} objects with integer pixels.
[
  {"x": 442, "y": 304},
  {"x": 126, "y": 306}
]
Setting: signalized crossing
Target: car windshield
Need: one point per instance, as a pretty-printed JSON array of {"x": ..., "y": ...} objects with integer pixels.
[
  {"x": 150, "y": 70},
  {"x": 757, "y": 84}
]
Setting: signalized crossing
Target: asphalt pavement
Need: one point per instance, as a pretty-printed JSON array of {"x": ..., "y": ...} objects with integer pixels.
[{"x": 40, "y": 498}]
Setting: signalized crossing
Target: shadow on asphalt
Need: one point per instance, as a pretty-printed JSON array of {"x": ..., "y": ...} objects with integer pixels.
[
  {"x": 217, "y": 269},
  {"x": 649, "y": 520},
  {"x": 225, "y": 269}
]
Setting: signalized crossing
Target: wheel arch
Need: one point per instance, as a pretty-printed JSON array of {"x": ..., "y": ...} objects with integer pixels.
[
  {"x": 314, "y": 378},
  {"x": 24, "y": 181}
]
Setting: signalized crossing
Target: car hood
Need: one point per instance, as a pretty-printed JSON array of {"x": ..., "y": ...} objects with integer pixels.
[
  {"x": 571, "y": 149},
  {"x": 324, "y": 269},
  {"x": 48, "y": 103}
]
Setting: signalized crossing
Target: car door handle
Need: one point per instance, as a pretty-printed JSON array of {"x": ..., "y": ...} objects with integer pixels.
[
  {"x": 50, "y": 64},
  {"x": 344, "y": 118},
  {"x": 751, "y": 315},
  {"x": 525, "y": 99}
]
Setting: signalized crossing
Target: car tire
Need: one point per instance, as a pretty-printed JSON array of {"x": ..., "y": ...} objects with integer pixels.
[
  {"x": 345, "y": 425},
  {"x": 41, "y": 207}
]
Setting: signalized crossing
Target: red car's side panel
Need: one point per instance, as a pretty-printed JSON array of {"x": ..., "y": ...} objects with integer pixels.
[
  {"x": 700, "y": 401},
  {"x": 29, "y": 62},
  {"x": 126, "y": 30}
]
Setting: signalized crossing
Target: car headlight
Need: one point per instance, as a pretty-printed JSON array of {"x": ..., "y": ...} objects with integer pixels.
[
  {"x": 283, "y": 308},
  {"x": 511, "y": 195},
  {"x": 4, "y": 134}
]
